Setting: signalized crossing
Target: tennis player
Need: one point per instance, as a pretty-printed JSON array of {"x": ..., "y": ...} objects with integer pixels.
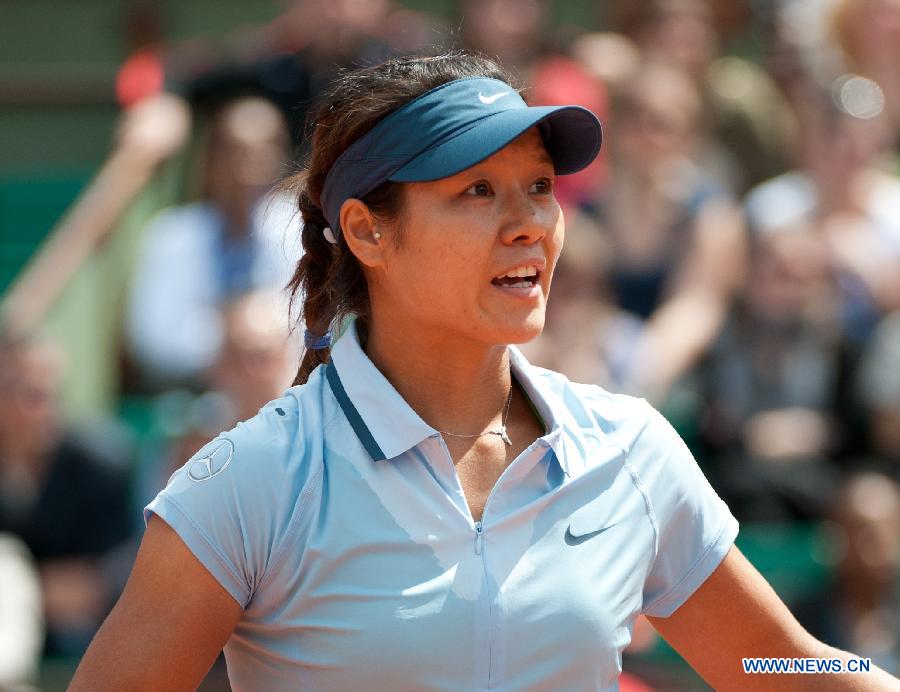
[{"x": 425, "y": 510}]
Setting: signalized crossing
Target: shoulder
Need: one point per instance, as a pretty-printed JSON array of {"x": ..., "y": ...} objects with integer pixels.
[
  {"x": 236, "y": 501},
  {"x": 619, "y": 419},
  {"x": 650, "y": 444},
  {"x": 265, "y": 461},
  {"x": 276, "y": 446}
]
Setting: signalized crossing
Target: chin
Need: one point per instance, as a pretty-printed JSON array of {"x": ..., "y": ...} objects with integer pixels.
[{"x": 521, "y": 333}]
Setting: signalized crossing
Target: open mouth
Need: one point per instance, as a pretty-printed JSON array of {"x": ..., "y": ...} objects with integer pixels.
[{"x": 520, "y": 277}]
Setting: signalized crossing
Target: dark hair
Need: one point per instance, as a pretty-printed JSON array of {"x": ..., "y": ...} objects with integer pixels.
[{"x": 328, "y": 277}]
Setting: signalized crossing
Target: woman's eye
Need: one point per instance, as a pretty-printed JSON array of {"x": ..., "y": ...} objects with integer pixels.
[
  {"x": 544, "y": 186},
  {"x": 481, "y": 189}
]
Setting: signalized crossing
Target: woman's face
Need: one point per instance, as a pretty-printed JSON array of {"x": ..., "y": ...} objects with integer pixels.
[{"x": 460, "y": 235}]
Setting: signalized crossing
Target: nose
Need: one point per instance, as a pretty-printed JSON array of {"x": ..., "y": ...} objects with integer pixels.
[{"x": 528, "y": 219}]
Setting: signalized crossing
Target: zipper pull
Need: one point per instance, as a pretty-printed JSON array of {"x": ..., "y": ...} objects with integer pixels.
[{"x": 478, "y": 533}]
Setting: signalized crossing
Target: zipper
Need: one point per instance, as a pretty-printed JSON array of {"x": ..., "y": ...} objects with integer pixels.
[{"x": 479, "y": 532}]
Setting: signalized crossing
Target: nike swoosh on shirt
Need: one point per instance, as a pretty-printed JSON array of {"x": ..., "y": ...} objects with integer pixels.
[
  {"x": 493, "y": 97},
  {"x": 578, "y": 540}
]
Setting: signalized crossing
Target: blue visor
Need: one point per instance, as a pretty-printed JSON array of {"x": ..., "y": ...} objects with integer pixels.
[{"x": 450, "y": 128}]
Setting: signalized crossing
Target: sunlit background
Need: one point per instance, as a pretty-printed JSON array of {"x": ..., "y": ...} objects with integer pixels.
[{"x": 733, "y": 256}]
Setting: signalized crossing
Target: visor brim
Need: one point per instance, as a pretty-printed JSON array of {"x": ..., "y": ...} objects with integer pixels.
[{"x": 572, "y": 136}]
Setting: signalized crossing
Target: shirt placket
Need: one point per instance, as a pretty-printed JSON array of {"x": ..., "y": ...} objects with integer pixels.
[{"x": 489, "y": 617}]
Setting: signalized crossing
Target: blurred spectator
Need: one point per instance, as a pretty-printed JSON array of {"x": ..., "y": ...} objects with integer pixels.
[
  {"x": 198, "y": 256},
  {"x": 879, "y": 391},
  {"x": 841, "y": 190},
  {"x": 292, "y": 58},
  {"x": 771, "y": 385},
  {"x": 742, "y": 107},
  {"x": 676, "y": 238},
  {"x": 255, "y": 364},
  {"x": 586, "y": 336},
  {"x": 610, "y": 57},
  {"x": 65, "y": 496},
  {"x": 21, "y": 616},
  {"x": 142, "y": 75},
  {"x": 258, "y": 359},
  {"x": 860, "y": 610},
  {"x": 868, "y": 33},
  {"x": 558, "y": 80},
  {"x": 509, "y": 30}
]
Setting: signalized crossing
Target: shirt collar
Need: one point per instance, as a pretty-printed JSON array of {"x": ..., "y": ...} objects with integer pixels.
[
  {"x": 387, "y": 426},
  {"x": 561, "y": 430}
]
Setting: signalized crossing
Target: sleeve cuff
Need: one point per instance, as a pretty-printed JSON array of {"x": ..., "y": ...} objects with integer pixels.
[
  {"x": 711, "y": 558},
  {"x": 200, "y": 545}
]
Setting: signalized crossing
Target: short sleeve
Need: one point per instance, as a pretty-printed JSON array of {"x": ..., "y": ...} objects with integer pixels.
[
  {"x": 695, "y": 528},
  {"x": 231, "y": 504}
]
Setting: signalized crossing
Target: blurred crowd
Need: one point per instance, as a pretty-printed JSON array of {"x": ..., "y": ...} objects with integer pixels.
[{"x": 733, "y": 256}]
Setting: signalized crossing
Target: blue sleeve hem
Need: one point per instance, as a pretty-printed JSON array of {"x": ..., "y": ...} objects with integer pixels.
[
  {"x": 200, "y": 545},
  {"x": 711, "y": 558}
]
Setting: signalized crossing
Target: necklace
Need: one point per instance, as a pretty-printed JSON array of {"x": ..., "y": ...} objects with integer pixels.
[{"x": 501, "y": 431}]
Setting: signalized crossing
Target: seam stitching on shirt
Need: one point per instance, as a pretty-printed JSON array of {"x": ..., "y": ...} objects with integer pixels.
[
  {"x": 699, "y": 561},
  {"x": 642, "y": 489},
  {"x": 639, "y": 484},
  {"x": 281, "y": 554},
  {"x": 225, "y": 562}
]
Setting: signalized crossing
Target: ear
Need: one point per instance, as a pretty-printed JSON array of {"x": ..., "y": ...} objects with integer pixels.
[{"x": 359, "y": 227}]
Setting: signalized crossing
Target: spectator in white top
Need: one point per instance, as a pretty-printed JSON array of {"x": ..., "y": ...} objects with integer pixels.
[{"x": 198, "y": 256}]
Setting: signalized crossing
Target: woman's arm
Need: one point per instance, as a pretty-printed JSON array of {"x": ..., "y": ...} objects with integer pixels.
[
  {"x": 682, "y": 328},
  {"x": 735, "y": 614},
  {"x": 167, "y": 628}
]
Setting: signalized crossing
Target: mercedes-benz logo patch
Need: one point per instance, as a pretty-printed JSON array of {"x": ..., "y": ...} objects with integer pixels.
[{"x": 211, "y": 460}]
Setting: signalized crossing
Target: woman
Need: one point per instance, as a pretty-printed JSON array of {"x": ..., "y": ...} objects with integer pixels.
[
  {"x": 675, "y": 236},
  {"x": 427, "y": 511}
]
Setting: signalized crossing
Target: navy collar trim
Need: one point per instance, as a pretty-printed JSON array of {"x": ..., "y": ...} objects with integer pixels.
[{"x": 356, "y": 422}]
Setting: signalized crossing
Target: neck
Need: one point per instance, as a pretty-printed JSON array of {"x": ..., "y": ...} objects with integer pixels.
[{"x": 455, "y": 385}]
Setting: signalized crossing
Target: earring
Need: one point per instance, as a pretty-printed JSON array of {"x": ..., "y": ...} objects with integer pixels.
[{"x": 376, "y": 235}]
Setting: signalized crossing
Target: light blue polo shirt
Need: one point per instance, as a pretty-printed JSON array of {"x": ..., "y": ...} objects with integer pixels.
[{"x": 336, "y": 519}]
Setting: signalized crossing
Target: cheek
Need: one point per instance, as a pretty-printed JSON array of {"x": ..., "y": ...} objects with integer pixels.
[
  {"x": 438, "y": 275},
  {"x": 554, "y": 244}
]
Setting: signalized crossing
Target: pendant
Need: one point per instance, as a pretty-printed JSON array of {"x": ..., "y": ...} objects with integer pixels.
[{"x": 504, "y": 436}]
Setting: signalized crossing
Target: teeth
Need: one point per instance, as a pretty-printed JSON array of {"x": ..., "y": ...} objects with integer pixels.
[{"x": 520, "y": 272}]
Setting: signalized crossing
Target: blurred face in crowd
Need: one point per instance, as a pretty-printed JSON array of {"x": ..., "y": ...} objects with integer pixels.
[
  {"x": 869, "y": 514},
  {"x": 682, "y": 32},
  {"x": 656, "y": 117},
  {"x": 510, "y": 29},
  {"x": 838, "y": 144},
  {"x": 788, "y": 275},
  {"x": 865, "y": 26},
  {"x": 29, "y": 389},
  {"x": 329, "y": 25},
  {"x": 256, "y": 363},
  {"x": 461, "y": 236},
  {"x": 885, "y": 432},
  {"x": 248, "y": 147}
]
